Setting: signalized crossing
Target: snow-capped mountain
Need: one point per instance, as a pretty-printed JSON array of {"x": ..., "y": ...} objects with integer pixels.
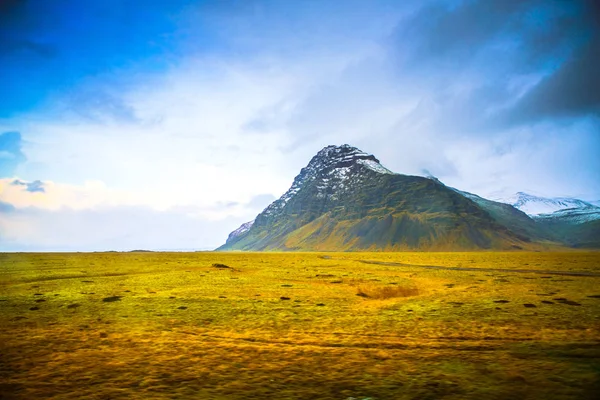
[
  {"x": 562, "y": 210},
  {"x": 536, "y": 205},
  {"x": 337, "y": 161},
  {"x": 344, "y": 199}
]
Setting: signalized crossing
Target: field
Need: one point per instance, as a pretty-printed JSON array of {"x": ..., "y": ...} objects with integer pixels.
[{"x": 300, "y": 326}]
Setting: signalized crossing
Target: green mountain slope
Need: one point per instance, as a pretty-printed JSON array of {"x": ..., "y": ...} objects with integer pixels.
[
  {"x": 345, "y": 200},
  {"x": 579, "y": 235}
]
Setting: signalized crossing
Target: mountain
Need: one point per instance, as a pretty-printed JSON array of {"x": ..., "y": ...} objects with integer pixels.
[
  {"x": 536, "y": 205},
  {"x": 575, "y": 227},
  {"x": 508, "y": 215},
  {"x": 579, "y": 215},
  {"x": 344, "y": 199},
  {"x": 245, "y": 227},
  {"x": 574, "y": 222}
]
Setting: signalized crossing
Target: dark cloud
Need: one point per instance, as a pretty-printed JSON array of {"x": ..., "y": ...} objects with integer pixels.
[
  {"x": 445, "y": 36},
  {"x": 10, "y": 152},
  {"x": 33, "y": 187},
  {"x": 452, "y": 37},
  {"x": 573, "y": 90},
  {"x": 493, "y": 51}
]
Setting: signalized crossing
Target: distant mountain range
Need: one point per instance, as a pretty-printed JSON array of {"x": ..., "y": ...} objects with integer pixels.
[
  {"x": 535, "y": 205},
  {"x": 345, "y": 200},
  {"x": 573, "y": 222}
]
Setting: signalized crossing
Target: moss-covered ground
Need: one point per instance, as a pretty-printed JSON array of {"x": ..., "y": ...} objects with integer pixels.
[{"x": 299, "y": 326}]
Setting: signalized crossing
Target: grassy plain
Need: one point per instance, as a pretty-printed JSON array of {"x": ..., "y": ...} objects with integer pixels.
[{"x": 299, "y": 326}]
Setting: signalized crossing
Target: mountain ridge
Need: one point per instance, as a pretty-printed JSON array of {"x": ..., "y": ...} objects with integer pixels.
[{"x": 344, "y": 199}]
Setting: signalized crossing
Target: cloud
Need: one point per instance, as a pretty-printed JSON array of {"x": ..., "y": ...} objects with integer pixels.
[
  {"x": 93, "y": 195},
  {"x": 110, "y": 228},
  {"x": 49, "y": 195},
  {"x": 446, "y": 35},
  {"x": 98, "y": 105},
  {"x": 573, "y": 90},
  {"x": 520, "y": 161},
  {"x": 6, "y": 208},
  {"x": 261, "y": 201},
  {"x": 451, "y": 36},
  {"x": 66, "y": 218},
  {"x": 32, "y": 187},
  {"x": 10, "y": 152},
  {"x": 405, "y": 89},
  {"x": 482, "y": 62}
]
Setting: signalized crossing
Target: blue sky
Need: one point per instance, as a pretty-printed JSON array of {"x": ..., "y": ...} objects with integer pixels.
[{"x": 166, "y": 124}]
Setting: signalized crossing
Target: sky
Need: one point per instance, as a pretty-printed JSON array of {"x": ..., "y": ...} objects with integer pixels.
[{"x": 164, "y": 125}]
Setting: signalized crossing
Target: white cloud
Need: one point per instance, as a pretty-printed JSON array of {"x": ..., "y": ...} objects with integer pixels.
[
  {"x": 94, "y": 195},
  {"x": 56, "y": 195},
  {"x": 110, "y": 228},
  {"x": 94, "y": 217},
  {"x": 543, "y": 159}
]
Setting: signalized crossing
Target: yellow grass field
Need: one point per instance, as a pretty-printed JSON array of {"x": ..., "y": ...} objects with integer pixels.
[{"x": 300, "y": 326}]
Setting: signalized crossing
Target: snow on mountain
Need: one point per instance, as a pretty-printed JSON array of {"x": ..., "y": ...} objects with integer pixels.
[
  {"x": 332, "y": 168},
  {"x": 375, "y": 166},
  {"x": 245, "y": 227},
  {"x": 536, "y": 205},
  {"x": 573, "y": 215}
]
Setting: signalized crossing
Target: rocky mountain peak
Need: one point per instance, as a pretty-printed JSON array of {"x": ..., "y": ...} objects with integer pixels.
[
  {"x": 339, "y": 157},
  {"x": 332, "y": 168}
]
